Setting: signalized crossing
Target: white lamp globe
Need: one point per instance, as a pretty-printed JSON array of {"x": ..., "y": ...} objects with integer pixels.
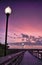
[{"x": 8, "y": 10}]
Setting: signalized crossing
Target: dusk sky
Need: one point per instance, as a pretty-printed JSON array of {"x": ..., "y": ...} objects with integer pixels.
[{"x": 26, "y": 17}]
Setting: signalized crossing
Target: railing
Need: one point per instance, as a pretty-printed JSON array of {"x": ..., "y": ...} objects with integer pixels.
[
  {"x": 37, "y": 53},
  {"x": 13, "y": 59}
]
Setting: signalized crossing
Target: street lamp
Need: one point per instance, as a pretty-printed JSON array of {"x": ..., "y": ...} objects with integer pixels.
[{"x": 7, "y": 12}]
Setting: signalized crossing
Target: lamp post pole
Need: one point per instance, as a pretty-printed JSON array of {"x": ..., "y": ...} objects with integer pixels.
[
  {"x": 7, "y": 16},
  {"x": 7, "y": 12}
]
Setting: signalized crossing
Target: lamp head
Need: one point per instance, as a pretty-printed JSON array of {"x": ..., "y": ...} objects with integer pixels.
[{"x": 8, "y": 10}]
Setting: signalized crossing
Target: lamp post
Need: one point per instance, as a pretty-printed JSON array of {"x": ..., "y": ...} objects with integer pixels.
[{"x": 7, "y": 12}]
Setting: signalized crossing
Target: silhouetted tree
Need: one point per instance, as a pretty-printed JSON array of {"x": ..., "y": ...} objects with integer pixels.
[{"x": 3, "y": 46}]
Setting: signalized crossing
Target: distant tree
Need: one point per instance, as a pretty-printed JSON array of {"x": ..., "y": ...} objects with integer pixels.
[{"x": 3, "y": 46}]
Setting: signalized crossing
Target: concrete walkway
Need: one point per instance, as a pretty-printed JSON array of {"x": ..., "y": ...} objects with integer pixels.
[{"x": 29, "y": 59}]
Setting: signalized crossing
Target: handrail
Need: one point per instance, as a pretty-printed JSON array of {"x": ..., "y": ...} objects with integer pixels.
[{"x": 7, "y": 58}]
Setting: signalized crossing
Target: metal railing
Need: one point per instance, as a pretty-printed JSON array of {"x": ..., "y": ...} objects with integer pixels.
[
  {"x": 13, "y": 59},
  {"x": 37, "y": 53}
]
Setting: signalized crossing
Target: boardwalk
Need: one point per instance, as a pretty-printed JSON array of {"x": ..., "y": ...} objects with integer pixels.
[
  {"x": 20, "y": 58},
  {"x": 30, "y": 60}
]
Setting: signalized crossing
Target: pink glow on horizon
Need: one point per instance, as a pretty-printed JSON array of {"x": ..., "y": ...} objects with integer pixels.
[{"x": 28, "y": 29}]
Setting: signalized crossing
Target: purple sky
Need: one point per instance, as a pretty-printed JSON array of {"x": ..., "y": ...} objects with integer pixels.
[{"x": 26, "y": 17}]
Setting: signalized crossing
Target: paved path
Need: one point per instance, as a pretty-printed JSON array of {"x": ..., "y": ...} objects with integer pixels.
[{"x": 30, "y": 60}]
